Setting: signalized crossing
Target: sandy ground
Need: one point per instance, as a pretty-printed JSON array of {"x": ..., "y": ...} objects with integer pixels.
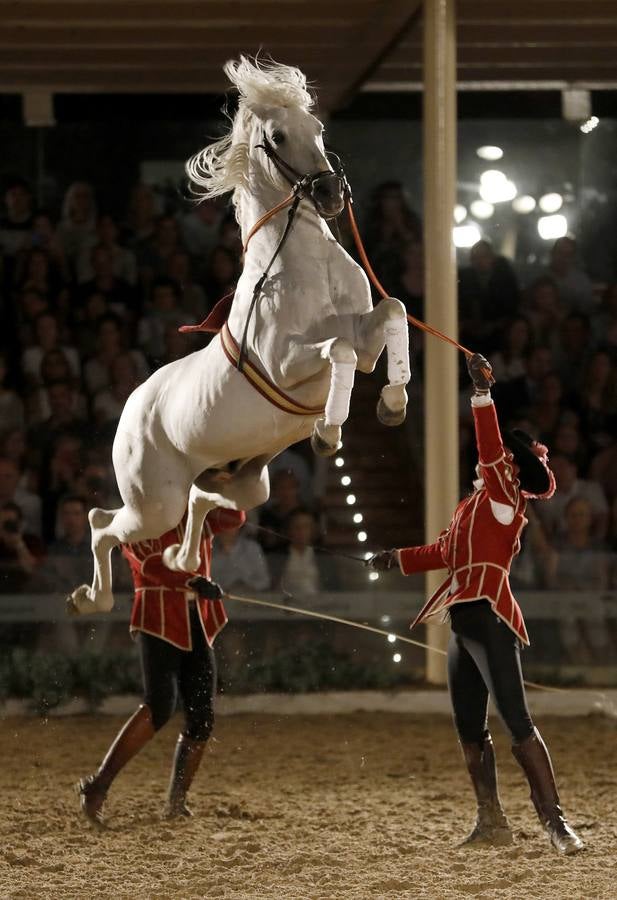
[{"x": 357, "y": 806}]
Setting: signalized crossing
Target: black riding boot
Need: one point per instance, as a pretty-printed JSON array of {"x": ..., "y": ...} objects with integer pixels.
[
  {"x": 532, "y": 755},
  {"x": 187, "y": 758},
  {"x": 492, "y": 827},
  {"x": 129, "y": 741}
]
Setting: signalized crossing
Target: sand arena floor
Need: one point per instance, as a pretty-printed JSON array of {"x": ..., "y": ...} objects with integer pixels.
[{"x": 339, "y": 807}]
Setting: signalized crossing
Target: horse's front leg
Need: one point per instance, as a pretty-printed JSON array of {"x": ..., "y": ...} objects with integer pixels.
[
  {"x": 303, "y": 361},
  {"x": 387, "y": 324}
]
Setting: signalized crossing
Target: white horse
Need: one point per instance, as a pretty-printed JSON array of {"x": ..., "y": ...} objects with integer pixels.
[{"x": 198, "y": 433}]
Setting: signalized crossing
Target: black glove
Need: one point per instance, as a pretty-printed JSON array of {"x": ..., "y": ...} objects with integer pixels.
[
  {"x": 482, "y": 380},
  {"x": 383, "y": 560},
  {"x": 207, "y": 590}
]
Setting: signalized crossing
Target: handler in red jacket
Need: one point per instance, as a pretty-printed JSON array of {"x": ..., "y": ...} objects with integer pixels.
[
  {"x": 175, "y": 619},
  {"x": 487, "y": 624}
]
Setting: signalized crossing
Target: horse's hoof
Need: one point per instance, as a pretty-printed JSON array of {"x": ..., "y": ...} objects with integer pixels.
[
  {"x": 325, "y": 440},
  {"x": 392, "y": 405},
  {"x": 174, "y": 561},
  {"x": 389, "y": 416},
  {"x": 80, "y": 601}
]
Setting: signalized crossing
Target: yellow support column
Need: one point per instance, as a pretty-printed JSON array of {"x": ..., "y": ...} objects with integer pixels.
[{"x": 441, "y": 388}]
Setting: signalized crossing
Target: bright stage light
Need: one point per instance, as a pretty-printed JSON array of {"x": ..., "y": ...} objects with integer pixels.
[
  {"x": 552, "y": 227},
  {"x": 358, "y": 517},
  {"x": 466, "y": 235},
  {"x": 397, "y": 658},
  {"x": 339, "y": 462},
  {"x": 481, "y": 209},
  {"x": 550, "y": 203},
  {"x": 392, "y": 638},
  {"x": 495, "y": 187},
  {"x": 384, "y": 620},
  {"x": 362, "y": 536},
  {"x": 373, "y": 576},
  {"x": 523, "y": 204},
  {"x": 367, "y": 554},
  {"x": 489, "y": 152},
  {"x": 591, "y": 123},
  {"x": 460, "y": 213},
  {"x": 350, "y": 499},
  {"x": 345, "y": 480}
]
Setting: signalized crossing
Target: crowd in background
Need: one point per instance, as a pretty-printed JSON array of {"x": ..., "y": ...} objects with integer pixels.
[{"x": 91, "y": 303}]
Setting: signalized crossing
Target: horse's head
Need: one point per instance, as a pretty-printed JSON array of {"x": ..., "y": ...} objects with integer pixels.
[
  {"x": 274, "y": 140},
  {"x": 287, "y": 145}
]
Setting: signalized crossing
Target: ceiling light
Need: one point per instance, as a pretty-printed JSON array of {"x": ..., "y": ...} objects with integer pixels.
[
  {"x": 523, "y": 204},
  {"x": 489, "y": 152},
  {"x": 466, "y": 235},
  {"x": 552, "y": 227},
  {"x": 550, "y": 203},
  {"x": 481, "y": 209}
]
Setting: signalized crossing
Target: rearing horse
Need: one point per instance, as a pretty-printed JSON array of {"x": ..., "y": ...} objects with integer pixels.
[{"x": 200, "y": 431}]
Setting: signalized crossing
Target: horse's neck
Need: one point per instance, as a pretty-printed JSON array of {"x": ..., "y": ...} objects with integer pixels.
[{"x": 308, "y": 228}]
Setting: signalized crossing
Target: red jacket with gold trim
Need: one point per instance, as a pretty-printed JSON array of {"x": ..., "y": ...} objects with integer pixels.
[
  {"x": 162, "y": 596},
  {"x": 483, "y": 537}
]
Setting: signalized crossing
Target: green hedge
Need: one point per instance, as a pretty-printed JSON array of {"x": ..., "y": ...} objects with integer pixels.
[{"x": 48, "y": 680}]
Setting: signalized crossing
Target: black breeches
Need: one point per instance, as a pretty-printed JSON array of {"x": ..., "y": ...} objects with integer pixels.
[
  {"x": 168, "y": 671},
  {"x": 483, "y": 659}
]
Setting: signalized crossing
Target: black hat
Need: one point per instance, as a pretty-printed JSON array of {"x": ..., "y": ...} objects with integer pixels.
[{"x": 534, "y": 475}]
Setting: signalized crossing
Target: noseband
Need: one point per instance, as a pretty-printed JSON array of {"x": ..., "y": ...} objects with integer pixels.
[{"x": 305, "y": 186}]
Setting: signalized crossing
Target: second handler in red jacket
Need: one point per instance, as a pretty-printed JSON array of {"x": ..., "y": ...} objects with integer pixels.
[
  {"x": 487, "y": 624},
  {"x": 175, "y": 618}
]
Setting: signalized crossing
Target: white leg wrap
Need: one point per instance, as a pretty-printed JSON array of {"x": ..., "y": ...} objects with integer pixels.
[
  {"x": 397, "y": 346},
  {"x": 341, "y": 384}
]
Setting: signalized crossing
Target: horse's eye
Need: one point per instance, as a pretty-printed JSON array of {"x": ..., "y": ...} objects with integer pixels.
[{"x": 278, "y": 137}]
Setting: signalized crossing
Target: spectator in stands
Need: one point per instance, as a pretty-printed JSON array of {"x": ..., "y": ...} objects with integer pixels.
[
  {"x": 229, "y": 235},
  {"x": 44, "y": 237},
  {"x": 12, "y": 492},
  {"x": 298, "y": 569},
  {"x": 55, "y": 366},
  {"x": 390, "y": 225},
  {"x": 153, "y": 254},
  {"x": 284, "y": 499},
  {"x": 238, "y": 563},
  {"x": 85, "y": 322},
  {"x": 60, "y": 472},
  {"x": 598, "y": 398},
  {"x": 47, "y": 337},
  {"x": 193, "y": 296},
  {"x": 567, "y": 439},
  {"x": 38, "y": 274},
  {"x": 604, "y": 318},
  {"x": 69, "y": 560},
  {"x": 165, "y": 310},
  {"x": 575, "y": 287},
  {"x": 408, "y": 285},
  {"x": 123, "y": 262},
  {"x": 63, "y": 418},
  {"x": 582, "y": 559},
  {"x": 20, "y": 553},
  {"x": 551, "y": 407},
  {"x": 222, "y": 273},
  {"x": 603, "y": 469},
  {"x": 95, "y": 484},
  {"x": 77, "y": 228},
  {"x": 569, "y": 487},
  {"x": 111, "y": 342},
  {"x": 29, "y": 306},
  {"x": 533, "y": 568},
  {"x": 200, "y": 228},
  {"x": 109, "y": 403},
  {"x": 293, "y": 460},
  {"x": 513, "y": 398},
  {"x": 515, "y": 342},
  {"x": 542, "y": 307},
  {"x": 13, "y": 446},
  {"x": 118, "y": 293},
  {"x": 11, "y": 404},
  {"x": 572, "y": 349},
  {"x": 141, "y": 215},
  {"x": 488, "y": 294},
  {"x": 16, "y": 221}
]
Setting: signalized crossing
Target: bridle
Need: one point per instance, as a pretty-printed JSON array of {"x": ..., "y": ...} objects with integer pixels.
[{"x": 306, "y": 186}]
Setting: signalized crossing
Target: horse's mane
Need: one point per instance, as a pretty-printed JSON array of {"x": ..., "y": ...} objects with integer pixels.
[{"x": 223, "y": 165}]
